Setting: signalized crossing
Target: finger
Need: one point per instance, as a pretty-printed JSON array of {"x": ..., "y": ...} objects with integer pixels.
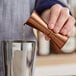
[
  {"x": 68, "y": 26},
  {"x": 47, "y": 38},
  {"x": 71, "y": 32},
  {"x": 64, "y": 15},
  {"x": 54, "y": 13}
]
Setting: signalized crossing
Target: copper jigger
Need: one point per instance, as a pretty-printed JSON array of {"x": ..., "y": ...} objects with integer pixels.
[{"x": 57, "y": 40}]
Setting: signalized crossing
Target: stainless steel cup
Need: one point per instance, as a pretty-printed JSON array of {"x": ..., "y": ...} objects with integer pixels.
[{"x": 19, "y": 58}]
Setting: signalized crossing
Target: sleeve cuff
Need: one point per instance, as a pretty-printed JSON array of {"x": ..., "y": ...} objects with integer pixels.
[{"x": 46, "y": 4}]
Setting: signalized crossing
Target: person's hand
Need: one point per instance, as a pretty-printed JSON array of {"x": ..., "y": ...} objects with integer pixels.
[{"x": 59, "y": 20}]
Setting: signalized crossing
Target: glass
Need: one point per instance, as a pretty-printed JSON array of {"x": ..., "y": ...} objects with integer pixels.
[{"x": 19, "y": 58}]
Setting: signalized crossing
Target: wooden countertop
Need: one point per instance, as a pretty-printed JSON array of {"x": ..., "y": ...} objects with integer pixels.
[{"x": 55, "y": 59}]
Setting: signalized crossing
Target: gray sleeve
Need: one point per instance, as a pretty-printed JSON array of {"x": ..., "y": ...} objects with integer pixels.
[{"x": 2, "y": 70}]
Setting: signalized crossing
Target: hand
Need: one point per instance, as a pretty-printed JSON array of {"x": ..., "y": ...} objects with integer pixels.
[{"x": 59, "y": 20}]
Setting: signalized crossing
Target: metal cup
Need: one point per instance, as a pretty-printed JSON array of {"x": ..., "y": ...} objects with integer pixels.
[{"x": 19, "y": 58}]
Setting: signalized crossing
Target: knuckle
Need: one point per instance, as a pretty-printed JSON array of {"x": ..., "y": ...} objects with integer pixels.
[
  {"x": 65, "y": 12},
  {"x": 57, "y": 6},
  {"x": 66, "y": 9}
]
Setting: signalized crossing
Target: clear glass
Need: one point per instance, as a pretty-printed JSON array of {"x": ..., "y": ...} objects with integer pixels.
[{"x": 19, "y": 58}]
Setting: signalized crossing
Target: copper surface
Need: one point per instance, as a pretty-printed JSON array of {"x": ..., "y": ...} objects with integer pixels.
[{"x": 57, "y": 40}]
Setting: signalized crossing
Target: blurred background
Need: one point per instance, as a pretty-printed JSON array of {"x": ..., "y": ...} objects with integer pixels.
[{"x": 51, "y": 62}]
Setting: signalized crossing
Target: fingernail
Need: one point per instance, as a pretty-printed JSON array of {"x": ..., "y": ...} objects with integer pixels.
[
  {"x": 56, "y": 30},
  {"x": 51, "y": 26}
]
